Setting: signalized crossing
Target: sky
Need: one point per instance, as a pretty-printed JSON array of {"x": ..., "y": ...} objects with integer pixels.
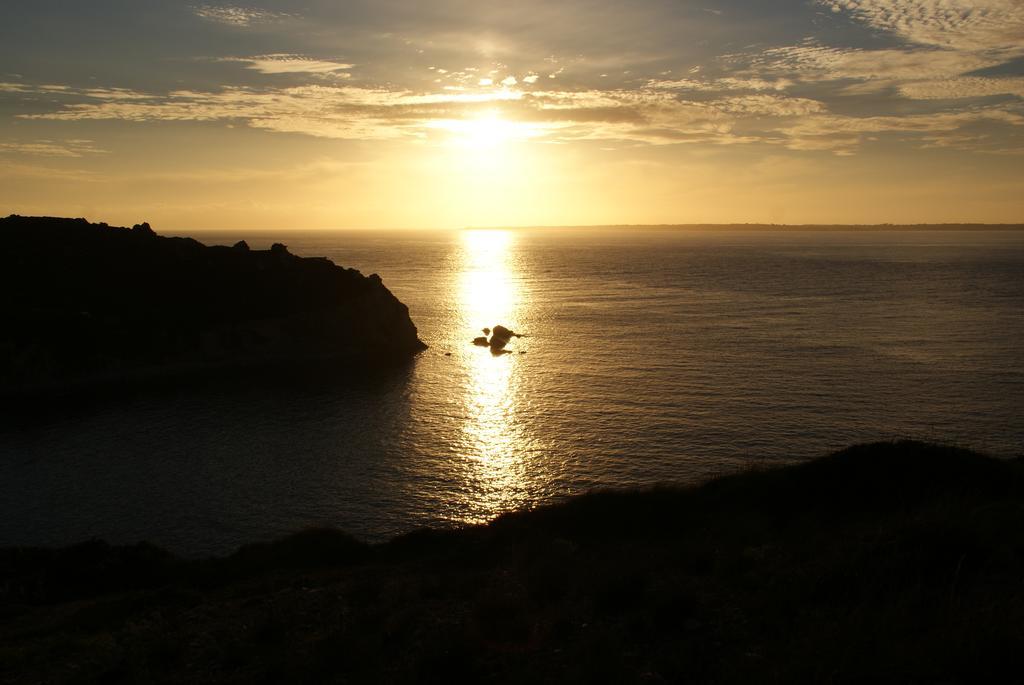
[{"x": 450, "y": 113}]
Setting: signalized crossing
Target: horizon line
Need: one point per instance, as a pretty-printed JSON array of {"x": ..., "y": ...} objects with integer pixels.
[
  {"x": 950, "y": 226},
  {"x": 946, "y": 225}
]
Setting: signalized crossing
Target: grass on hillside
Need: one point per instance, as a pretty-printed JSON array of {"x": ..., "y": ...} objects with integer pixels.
[{"x": 893, "y": 562}]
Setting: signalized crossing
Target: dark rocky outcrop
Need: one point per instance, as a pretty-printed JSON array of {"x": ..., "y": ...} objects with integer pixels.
[
  {"x": 86, "y": 303},
  {"x": 500, "y": 337}
]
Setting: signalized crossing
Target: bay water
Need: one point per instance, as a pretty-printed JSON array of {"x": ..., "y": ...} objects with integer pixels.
[{"x": 649, "y": 355}]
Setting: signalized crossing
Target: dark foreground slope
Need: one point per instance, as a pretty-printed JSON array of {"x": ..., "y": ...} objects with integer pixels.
[
  {"x": 85, "y": 303},
  {"x": 893, "y": 563}
]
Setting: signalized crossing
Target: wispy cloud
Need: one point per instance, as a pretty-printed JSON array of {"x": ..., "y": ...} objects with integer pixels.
[
  {"x": 949, "y": 42},
  {"x": 233, "y": 15},
  {"x": 283, "y": 63},
  {"x": 813, "y": 62},
  {"x": 986, "y": 26},
  {"x": 963, "y": 87},
  {"x": 770, "y": 105},
  {"x": 649, "y": 116},
  {"x": 844, "y": 133},
  {"x": 75, "y": 147},
  {"x": 721, "y": 84},
  {"x": 808, "y": 95}
]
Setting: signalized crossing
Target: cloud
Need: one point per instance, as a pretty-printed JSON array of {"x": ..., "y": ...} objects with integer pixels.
[
  {"x": 836, "y": 144},
  {"x": 963, "y": 87},
  {"x": 649, "y": 115},
  {"x": 233, "y": 15},
  {"x": 46, "y": 173},
  {"x": 845, "y": 133},
  {"x": 812, "y": 62},
  {"x": 982, "y": 26},
  {"x": 283, "y": 63},
  {"x": 770, "y": 105},
  {"x": 326, "y": 111},
  {"x": 75, "y": 147},
  {"x": 951, "y": 42},
  {"x": 921, "y": 123},
  {"x": 57, "y": 91},
  {"x": 720, "y": 84}
]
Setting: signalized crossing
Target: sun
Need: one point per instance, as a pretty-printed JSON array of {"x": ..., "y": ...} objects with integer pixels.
[
  {"x": 490, "y": 131},
  {"x": 487, "y": 131},
  {"x": 490, "y": 166}
]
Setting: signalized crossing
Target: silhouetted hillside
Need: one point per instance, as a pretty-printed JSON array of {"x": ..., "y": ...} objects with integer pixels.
[
  {"x": 86, "y": 302},
  {"x": 887, "y": 563}
]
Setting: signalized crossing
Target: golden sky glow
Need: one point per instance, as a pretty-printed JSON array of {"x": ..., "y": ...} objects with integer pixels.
[{"x": 449, "y": 114}]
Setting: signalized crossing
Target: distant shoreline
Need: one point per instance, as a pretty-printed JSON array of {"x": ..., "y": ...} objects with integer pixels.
[
  {"x": 865, "y": 228},
  {"x": 779, "y": 227}
]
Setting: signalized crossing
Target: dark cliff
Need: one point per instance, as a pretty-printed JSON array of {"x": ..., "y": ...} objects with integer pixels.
[{"x": 85, "y": 303}]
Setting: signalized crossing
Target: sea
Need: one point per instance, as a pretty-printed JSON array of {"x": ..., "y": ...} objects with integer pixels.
[{"x": 648, "y": 356}]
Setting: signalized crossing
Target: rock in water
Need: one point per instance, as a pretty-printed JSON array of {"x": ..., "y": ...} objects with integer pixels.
[
  {"x": 88, "y": 303},
  {"x": 500, "y": 337}
]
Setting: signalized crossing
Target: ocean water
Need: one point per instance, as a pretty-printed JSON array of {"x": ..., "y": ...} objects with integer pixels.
[{"x": 648, "y": 356}]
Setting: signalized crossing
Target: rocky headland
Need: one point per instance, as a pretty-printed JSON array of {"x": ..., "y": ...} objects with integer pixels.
[{"x": 89, "y": 304}]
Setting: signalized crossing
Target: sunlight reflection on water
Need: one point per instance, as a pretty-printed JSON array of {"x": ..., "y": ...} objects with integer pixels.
[{"x": 493, "y": 434}]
